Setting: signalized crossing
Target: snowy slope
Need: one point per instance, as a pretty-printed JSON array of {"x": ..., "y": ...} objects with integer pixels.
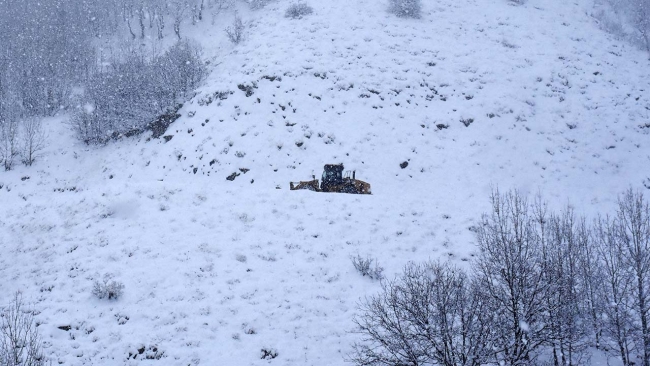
[{"x": 216, "y": 270}]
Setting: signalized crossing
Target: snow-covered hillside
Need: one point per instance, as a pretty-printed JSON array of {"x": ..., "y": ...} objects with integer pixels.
[{"x": 474, "y": 95}]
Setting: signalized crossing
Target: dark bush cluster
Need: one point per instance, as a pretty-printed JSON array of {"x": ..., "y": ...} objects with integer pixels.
[
  {"x": 134, "y": 92},
  {"x": 258, "y": 4},
  {"x": 298, "y": 10},
  {"x": 405, "y": 8},
  {"x": 108, "y": 289},
  {"x": 545, "y": 289}
]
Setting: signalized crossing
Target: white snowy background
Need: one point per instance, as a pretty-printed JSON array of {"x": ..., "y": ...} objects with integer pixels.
[{"x": 215, "y": 270}]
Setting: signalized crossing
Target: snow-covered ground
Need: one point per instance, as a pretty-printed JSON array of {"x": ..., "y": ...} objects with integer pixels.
[{"x": 217, "y": 270}]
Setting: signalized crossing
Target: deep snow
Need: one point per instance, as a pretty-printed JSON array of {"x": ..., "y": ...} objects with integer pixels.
[{"x": 216, "y": 270}]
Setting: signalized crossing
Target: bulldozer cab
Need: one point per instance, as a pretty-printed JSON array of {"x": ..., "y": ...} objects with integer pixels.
[{"x": 332, "y": 176}]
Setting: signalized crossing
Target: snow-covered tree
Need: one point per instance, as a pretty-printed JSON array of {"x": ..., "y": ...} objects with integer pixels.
[
  {"x": 616, "y": 302},
  {"x": 433, "y": 314},
  {"x": 135, "y": 90},
  {"x": 511, "y": 272},
  {"x": 632, "y": 233},
  {"x": 566, "y": 300},
  {"x": 32, "y": 139}
]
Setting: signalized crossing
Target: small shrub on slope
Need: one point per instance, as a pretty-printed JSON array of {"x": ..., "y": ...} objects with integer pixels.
[
  {"x": 367, "y": 267},
  {"x": 257, "y": 4},
  {"x": 298, "y": 10},
  {"x": 235, "y": 32},
  {"x": 406, "y": 8},
  {"x": 106, "y": 289}
]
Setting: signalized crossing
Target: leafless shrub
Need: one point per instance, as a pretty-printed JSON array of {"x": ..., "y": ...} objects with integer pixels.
[
  {"x": 367, "y": 267},
  {"x": 298, "y": 10},
  {"x": 235, "y": 32},
  {"x": 20, "y": 342},
  {"x": 108, "y": 289}
]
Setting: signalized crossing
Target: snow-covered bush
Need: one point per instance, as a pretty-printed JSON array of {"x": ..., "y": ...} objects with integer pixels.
[
  {"x": 20, "y": 342},
  {"x": 298, "y": 10},
  {"x": 235, "y": 32},
  {"x": 406, "y": 8},
  {"x": 108, "y": 289},
  {"x": 135, "y": 91},
  {"x": 367, "y": 267}
]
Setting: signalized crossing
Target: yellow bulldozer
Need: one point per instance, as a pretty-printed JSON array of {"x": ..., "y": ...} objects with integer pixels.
[{"x": 333, "y": 180}]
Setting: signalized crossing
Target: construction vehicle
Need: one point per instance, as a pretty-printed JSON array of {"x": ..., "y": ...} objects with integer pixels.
[{"x": 334, "y": 180}]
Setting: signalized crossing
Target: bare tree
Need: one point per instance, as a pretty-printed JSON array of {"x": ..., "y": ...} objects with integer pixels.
[
  {"x": 198, "y": 6},
  {"x": 431, "y": 314},
  {"x": 8, "y": 142},
  {"x": 20, "y": 343},
  {"x": 565, "y": 302},
  {"x": 178, "y": 9},
  {"x": 633, "y": 234},
  {"x": 544, "y": 284},
  {"x": 258, "y": 4},
  {"x": 592, "y": 281},
  {"x": 617, "y": 284},
  {"x": 32, "y": 139},
  {"x": 511, "y": 273}
]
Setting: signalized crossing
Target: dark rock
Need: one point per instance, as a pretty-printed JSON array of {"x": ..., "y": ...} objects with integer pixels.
[{"x": 159, "y": 126}]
